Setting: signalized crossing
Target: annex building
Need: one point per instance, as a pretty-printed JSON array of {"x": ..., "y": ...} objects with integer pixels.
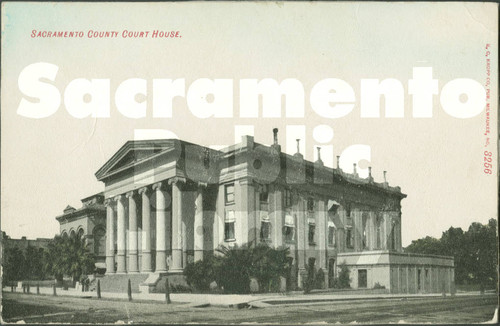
[
  {"x": 88, "y": 222},
  {"x": 170, "y": 202}
]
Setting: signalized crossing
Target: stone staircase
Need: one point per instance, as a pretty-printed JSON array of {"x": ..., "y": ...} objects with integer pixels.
[{"x": 119, "y": 282}]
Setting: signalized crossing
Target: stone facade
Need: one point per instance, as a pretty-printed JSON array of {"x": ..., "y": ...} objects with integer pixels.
[{"x": 169, "y": 202}]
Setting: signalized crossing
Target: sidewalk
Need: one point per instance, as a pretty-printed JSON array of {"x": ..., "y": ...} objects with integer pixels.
[{"x": 236, "y": 300}]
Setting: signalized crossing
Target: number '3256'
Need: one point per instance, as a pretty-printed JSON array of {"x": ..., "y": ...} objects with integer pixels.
[{"x": 487, "y": 162}]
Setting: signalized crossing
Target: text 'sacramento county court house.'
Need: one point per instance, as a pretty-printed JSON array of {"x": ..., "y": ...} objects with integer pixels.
[{"x": 170, "y": 202}]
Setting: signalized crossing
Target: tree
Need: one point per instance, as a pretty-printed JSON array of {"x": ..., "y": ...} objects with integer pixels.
[
  {"x": 200, "y": 274},
  {"x": 235, "y": 269},
  {"x": 13, "y": 265},
  {"x": 68, "y": 256},
  {"x": 34, "y": 263},
  {"x": 475, "y": 252},
  {"x": 454, "y": 243},
  {"x": 427, "y": 245},
  {"x": 268, "y": 265},
  {"x": 343, "y": 281},
  {"x": 483, "y": 253}
]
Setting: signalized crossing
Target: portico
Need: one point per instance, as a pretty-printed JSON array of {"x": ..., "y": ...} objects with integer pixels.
[{"x": 154, "y": 214}]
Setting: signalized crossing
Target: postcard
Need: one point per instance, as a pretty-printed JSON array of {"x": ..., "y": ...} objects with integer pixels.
[{"x": 249, "y": 162}]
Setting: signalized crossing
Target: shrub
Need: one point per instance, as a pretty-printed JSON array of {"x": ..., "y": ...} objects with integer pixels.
[
  {"x": 309, "y": 281},
  {"x": 378, "y": 286},
  {"x": 200, "y": 274},
  {"x": 342, "y": 281},
  {"x": 233, "y": 272},
  {"x": 268, "y": 264},
  {"x": 319, "y": 281}
]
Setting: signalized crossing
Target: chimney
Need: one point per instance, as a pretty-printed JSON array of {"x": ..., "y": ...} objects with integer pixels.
[
  {"x": 338, "y": 163},
  {"x": 370, "y": 178},
  {"x": 275, "y": 140},
  {"x": 385, "y": 178},
  {"x": 354, "y": 170},
  {"x": 298, "y": 155},
  {"x": 319, "y": 161}
]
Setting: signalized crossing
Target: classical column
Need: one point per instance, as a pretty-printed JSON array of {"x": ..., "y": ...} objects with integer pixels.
[
  {"x": 110, "y": 237},
  {"x": 120, "y": 237},
  {"x": 146, "y": 231},
  {"x": 176, "y": 225},
  {"x": 198, "y": 224},
  {"x": 132, "y": 233},
  {"x": 161, "y": 241}
]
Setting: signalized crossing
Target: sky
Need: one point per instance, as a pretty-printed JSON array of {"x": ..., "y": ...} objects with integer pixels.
[{"x": 49, "y": 163}]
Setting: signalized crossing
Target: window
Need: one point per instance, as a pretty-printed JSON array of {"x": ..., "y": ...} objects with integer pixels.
[
  {"x": 310, "y": 205},
  {"x": 333, "y": 206},
  {"x": 263, "y": 193},
  {"x": 229, "y": 226},
  {"x": 365, "y": 236},
  {"x": 265, "y": 230},
  {"x": 362, "y": 278},
  {"x": 349, "y": 238},
  {"x": 289, "y": 229},
  {"x": 80, "y": 233},
  {"x": 312, "y": 230},
  {"x": 288, "y": 198},
  {"x": 229, "y": 231},
  {"x": 229, "y": 194},
  {"x": 331, "y": 234},
  {"x": 379, "y": 232}
]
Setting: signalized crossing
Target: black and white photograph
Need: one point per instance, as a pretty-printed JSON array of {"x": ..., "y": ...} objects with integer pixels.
[{"x": 249, "y": 162}]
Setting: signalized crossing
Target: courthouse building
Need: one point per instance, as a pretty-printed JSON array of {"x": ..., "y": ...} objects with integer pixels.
[{"x": 170, "y": 202}]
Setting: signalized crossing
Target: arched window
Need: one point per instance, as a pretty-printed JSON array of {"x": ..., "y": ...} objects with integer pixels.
[
  {"x": 64, "y": 234},
  {"x": 72, "y": 233},
  {"x": 80, "y": 233},
  {"x": 99, "y": 241}
]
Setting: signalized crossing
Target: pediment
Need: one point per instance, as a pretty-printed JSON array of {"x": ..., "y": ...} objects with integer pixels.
[{"x": 134, "y": 152}]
